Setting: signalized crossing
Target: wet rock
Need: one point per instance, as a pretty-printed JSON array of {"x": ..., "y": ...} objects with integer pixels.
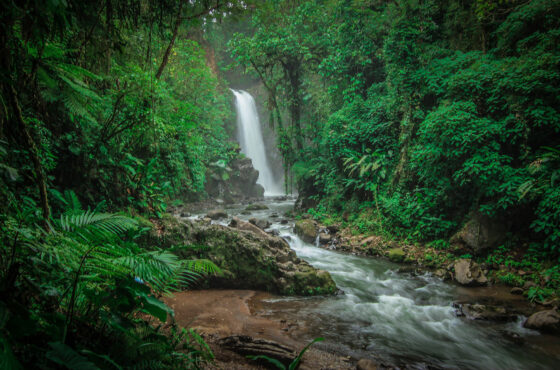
[
  {"x": 284, "y": 221},
  {"x": 324, "y": 238},
  {"x": 554, "y": 302},
  {"x": 254, "y": 259},
  {"x": 260, "y": 223},
  {"x": 274, "y": 215},
  {"x": 256, "y": 207},
  {"x": 407, "y": 269},
  {"x": 516, "y": 291},
  {"x": 366, "y": 364},
  {"x": 479, "y": 234},
  {"x": 306, "y": 230},
  {"x": 487, "y": 312},
  {"x": 467, "y": 272},
  {"x": 217, "y": 214},
  {"x": 246, "y": 213},
  {"x": 235, "y": 182},
  {"x": 396, "y": 254},
  {"x": 547, "y": 321},
  {"x": 442, "y": 273},
  {"x": 185, "y": 214},
  {"x": 274, "y": 232},
  {"x": 281, "y": 198}
]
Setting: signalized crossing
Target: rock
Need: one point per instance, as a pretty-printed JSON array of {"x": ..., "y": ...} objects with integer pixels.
[
  {"x": 256, "y": 207},
  {"x": 263, "y": 224},
  {"x": 284, "y": 221},
  {"x": 274, "y": 232},
  {"x": 274, "y": 215},
  {"x": 185, "y": 214},
  {"x": 235, "y": 182},
  {"x": 441, "y": 273},
  {"x": 547, "y": 321},
  {"x": 281, "y": 198},
  {"x": 516, "y": 291},
  {"x": 324, "y": 238},
  {"x": 334, "y": 228},
  {"x": 487, "y": 312},
  {"x": 306, "y": 230},
  {"x": 366, "y": 364},
  {"x": 467, "y": 272},
  {"x": 248, "y": 346},
  {"x": 246, "y": 213},
  {"x": 479, "y": 234},
  {"x": 217, "y": 214},
  {"x": 396, "y": 254},
  {"x": 529, "y": 284},
  {"x": 554, "y": 302},
  {"x": 254, "y": 259}
]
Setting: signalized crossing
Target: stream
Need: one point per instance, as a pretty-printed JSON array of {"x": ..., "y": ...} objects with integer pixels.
[{"x": 399, "y": 318}]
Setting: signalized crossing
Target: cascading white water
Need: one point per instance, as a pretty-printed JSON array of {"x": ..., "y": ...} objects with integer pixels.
[{"x": 250, "y": 138}]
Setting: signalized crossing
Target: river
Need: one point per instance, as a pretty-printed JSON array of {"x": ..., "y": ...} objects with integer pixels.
[{"x": 399, "y": 318}]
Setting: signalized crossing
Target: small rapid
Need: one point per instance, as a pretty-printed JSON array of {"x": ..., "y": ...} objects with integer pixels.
[{"x": 398, "y": 318}]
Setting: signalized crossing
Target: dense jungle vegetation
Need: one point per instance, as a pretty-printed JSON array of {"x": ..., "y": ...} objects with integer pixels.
[{"x": 403, "y": 118}]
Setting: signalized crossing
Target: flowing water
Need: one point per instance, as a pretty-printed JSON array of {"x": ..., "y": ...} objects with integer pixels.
[
  {"x": 250, "y": 138},
  {"x": 398, "y": 318},
  {"x": 393, "y": 317}
]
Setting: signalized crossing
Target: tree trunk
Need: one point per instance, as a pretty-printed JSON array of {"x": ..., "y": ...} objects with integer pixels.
[
  {"x": 171, "y": 43},
  {"x": 32, "y": 147}
]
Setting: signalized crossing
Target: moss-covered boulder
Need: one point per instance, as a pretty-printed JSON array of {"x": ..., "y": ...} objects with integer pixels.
[
  {"x": 255, "y": 207},
  {"x": 249, "y": 257},
  {"x": 306, "y": 230},
  {"x": 396, "y": 254}
]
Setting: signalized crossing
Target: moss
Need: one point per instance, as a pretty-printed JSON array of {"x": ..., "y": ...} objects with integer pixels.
[
  {"x": 306, "y": 230},
  {"x": 396, "y": 254}
]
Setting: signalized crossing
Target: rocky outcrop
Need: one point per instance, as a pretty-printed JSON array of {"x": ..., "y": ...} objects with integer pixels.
[
  {"x": 235, "y": 182},
  {"x": 467, "y": 272},
  {"x": 252, "y": 259},
  {"x": 547, "y": 321},
  {"x": 306, "y": 230},
  {"x": 478, "y": 235}
]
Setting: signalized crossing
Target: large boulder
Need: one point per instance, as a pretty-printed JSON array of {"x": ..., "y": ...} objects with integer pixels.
[
  {"x": 216, "y": 214},
  {"x": 306, "y": 230},
  {"x": 478, "y": 235},
  {"x": 547, "y": 321},
  {"x": 467, "y": 272},
  {"x": 252, "y": 259},
  {"x": 235, "y": 182}
]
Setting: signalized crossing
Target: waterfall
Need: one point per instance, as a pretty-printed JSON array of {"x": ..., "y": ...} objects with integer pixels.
[{"x": 250, "y": 138}]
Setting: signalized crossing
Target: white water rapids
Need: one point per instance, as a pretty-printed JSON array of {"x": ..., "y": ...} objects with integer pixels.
[
  {"x": 250, "y": 138},
  {"x": 397, "y": 318}
]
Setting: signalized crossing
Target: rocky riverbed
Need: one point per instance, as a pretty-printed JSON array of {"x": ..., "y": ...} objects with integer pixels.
[{"x": 392, "y": 315}]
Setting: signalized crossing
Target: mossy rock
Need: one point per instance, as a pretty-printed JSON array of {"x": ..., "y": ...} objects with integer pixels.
[
  {"x": 306, "y": 230},
  {"x": 255, "y": 207},
  {"x": 396, "y": 254}
]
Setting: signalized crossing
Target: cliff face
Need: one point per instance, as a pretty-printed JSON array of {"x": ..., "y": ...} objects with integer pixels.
[{"x": 234, "y": 183}]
